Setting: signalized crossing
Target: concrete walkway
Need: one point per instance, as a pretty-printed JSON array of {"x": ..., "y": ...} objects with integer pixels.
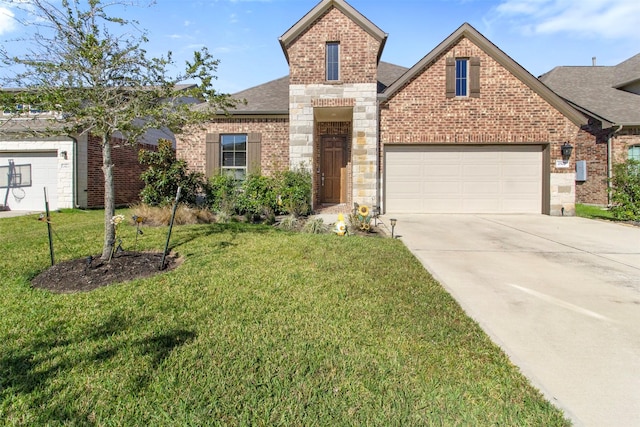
[{"x": 560, "y": 295}]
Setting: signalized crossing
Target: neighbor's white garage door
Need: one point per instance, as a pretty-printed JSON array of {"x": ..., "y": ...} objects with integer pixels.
[
  {"x": 29, "y": 196},
  {"x": 463, "y": 179}
]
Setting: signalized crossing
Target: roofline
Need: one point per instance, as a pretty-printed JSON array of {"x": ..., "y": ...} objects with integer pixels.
[
  {"x": 466, "y": 30},
  {"x": 324, "y": 5},
  {"x": 623, "y": 84}
]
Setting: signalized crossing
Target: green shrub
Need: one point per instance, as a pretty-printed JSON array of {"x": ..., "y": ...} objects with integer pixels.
[
  {"x": 222, "y": 194},
  {"x": 625, "y": 192},
  {"x": 295, "y": 192},
  {"x": 257, "y": 197},
  {"x": 165, "y": 174}
]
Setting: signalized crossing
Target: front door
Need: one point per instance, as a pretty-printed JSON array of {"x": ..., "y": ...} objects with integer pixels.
[{"x": 333, "y": 162}]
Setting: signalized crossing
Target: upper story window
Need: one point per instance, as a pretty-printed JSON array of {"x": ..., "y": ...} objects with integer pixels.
[
  {"x": 462, "y": 77},
  {"x": 234, "y": 155},
  {"x": 333, "y": 61}
]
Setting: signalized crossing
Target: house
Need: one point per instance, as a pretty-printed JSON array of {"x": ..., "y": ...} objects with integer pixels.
[
  {"x": 610, "y": 97},
  {"x": 69, "y": 167},
  {"x": 465, "y": 130}
]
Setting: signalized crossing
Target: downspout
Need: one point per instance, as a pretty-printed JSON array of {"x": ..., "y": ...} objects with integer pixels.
[
  {"x": 74, "y": 174},
  {"x": 610, "y": 162},
  {"x": 378, "y": 162}
]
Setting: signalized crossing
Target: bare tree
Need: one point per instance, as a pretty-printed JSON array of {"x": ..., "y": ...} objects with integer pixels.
[{"x": 91, "y": 67}]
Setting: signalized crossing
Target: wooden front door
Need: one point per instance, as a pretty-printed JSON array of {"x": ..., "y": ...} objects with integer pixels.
[{"x": 333, "y": 162}]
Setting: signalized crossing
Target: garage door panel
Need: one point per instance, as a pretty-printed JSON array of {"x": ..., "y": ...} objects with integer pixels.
[
  {"x": 44, "y": 174},
  {"x": 463, "y": 179}
]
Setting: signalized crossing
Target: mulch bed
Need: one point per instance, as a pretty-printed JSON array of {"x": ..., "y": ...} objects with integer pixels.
[{"x": 86, "y": 274}]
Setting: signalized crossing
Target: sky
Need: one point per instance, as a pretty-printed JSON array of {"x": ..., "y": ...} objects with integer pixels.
[{"x": 243, "y": 34}]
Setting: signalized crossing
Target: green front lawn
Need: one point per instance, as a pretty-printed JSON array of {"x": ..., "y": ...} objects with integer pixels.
[
  {"x": 594, "y": 212},
  {"x": 257, "y": 327}
]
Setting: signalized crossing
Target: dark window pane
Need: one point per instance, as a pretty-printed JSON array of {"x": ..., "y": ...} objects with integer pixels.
[
  {"x": 333, "y": 61},
  {"x": 241, "y": 159},
  {"x": 461, "y": 77},
  {"x": 227, "y": 159}
]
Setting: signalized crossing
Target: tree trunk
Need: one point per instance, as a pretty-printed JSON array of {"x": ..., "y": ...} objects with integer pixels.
[{"x": 109, "y": 198}]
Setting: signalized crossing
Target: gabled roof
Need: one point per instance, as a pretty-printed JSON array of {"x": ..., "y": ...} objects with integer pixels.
[
  {"x": 596, "y": 90},
  {"x": 627, "y": 72},
  {"x": 272, "y": 98},
  {"x": 467, "y": 31},
  {"x": 304, "y": 23}
]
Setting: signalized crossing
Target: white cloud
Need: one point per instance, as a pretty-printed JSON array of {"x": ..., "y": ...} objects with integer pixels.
[
  {"x": 7, "y": 21},
  {"x": 611, "y": 19}
]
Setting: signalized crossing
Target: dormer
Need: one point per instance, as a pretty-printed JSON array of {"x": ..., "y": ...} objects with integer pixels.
[{"x": 333, "y": 44}]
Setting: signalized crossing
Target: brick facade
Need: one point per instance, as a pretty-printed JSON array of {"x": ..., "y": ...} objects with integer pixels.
[
  {"x": 358, "y": 50},
  {"x": 356, "y": 90},
  {"x": 191, "y": 145},
  {"x": 592, "y": 147},
  {"x": 506, "y": 112},
  {"x": 126, "y": 172}
]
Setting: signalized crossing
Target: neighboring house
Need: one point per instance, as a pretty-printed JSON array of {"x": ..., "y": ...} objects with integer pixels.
[
  {"x": 610, "y": 97},
  {"x": 69, "y": 167},
  {"x": 464, "y": 130}
]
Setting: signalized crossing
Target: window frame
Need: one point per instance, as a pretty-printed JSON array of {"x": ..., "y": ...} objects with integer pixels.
[
  {"x": 332, "y": 61},
  {"x": 462, "y": 77},
  {"x": 239, "y": 172},
  {"x": 633, "y": 152}
]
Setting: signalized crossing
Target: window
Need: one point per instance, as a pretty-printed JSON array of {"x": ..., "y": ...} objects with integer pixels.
[
  {"x": 462, "y": 77},
  {"x": 333, "y": 61},
  {"x": 234, "y": 155},
  {"x": 634, "y": 153}
]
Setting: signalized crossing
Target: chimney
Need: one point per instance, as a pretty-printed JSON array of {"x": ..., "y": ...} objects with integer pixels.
[{"x": 593, "y": 61}]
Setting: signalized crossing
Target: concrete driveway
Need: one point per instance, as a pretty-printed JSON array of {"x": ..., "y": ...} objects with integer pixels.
[{"x": 560, "y": 295}]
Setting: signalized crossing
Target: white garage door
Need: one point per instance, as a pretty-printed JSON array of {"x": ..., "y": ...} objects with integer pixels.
[
  {"x": 463, "y": 179},
  {"x": 33, "y": 172}
]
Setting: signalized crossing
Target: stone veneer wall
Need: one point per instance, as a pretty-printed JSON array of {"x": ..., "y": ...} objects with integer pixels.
[
  {"x": 357, "y": 88},
  {"x": 507, "y": 112},
  {"x": 364, "y": 131}
]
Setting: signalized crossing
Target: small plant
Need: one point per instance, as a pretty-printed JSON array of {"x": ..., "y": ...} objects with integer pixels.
[
  {"x": 315, "y": 226},
  {"x": 289, "y": 223},
  {"x": 625, "y": 192},
  {"x": 257, "y": 197},
  {"x": 165, "y": 174},
  {"x": 222, "y": 194},
  {"x": 295, "y": 191}
]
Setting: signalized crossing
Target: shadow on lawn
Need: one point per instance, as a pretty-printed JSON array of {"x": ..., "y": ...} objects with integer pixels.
[
  {"x": 42, "y": 373},
  {"x": 186, "y": 235}
]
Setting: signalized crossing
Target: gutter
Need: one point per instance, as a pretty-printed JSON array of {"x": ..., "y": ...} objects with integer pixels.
[{"x": 610, "y": 162}]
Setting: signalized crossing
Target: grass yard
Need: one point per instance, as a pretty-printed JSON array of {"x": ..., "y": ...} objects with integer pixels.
[
  {"x": 257, "y": 327},
  {"x": 594, "y": 212}
]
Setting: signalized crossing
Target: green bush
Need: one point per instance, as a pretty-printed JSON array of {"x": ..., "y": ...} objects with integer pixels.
[
  {"x": 222, "y": 194},
  {"x": 257, "y": 197},
  {"x": 625, "y": 191},
  {"x": 165, "y": 174},
  {"x": 295, "y": 192}
]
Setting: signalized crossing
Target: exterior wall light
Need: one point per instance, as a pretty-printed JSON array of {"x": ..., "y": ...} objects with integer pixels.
[
  {"x": 63, "y": 154},
  {"x": 393, "y": 226},
  {"x": 566, "y": 150}
]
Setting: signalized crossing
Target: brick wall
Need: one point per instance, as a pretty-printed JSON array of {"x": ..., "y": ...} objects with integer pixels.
[
  {"x": 126, "y": 172},
  {"x": 591, "y": 146},
  {"x": 358, "y": 51},
  {"x": 191, "y": 145},
  {"x": 507, "y": 111}
]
